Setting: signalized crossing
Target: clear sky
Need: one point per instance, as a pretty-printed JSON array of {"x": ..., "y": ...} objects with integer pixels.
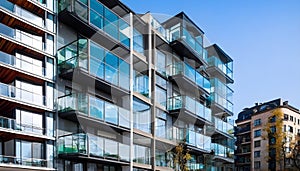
[{"x": 262, "y": 37}]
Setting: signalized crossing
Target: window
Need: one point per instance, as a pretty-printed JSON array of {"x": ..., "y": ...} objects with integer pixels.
[
  {"x": 257, "y": 122},
  {"x": 286, "y": 117},
  {"x": 256, "y": 154},
  {"x": 257, "y": 165},
  {"x": 272, "y": 140},
  {"x": 273, "y": 119},
  {"x": 141, "y": 115},
  {"x": 257, "y": 133},
  {"x": 141, "y": 154},
  {"x": 291, "y": 118},
  {"x": 160, "y": 62},
  {"x": 257, "y": 143},
  {"x": 291, "y": 129},
  {"x": 272, "y": 129},
  {"x": 298, "y": 121},
  {"x": 138, "y": 42},
  {"x": 284, "y": 128}
]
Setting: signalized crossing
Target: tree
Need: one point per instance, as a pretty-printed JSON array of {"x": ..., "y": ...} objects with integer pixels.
[
  {"x": 284, "y": 144},
  {"x": 276, "y": 137},
  {"x": 181, "y": 157}
]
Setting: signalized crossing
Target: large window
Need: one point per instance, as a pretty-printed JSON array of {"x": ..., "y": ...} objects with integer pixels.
[
  {"x": 161, "y": 91},
  {"x": 30, "y": 122},
  {"x": 141, "y": 115},
  {"x": 141, "y": 154},
  {"x": 108, "y": 66},
  {"x": 96, "y": 107},
  {"x": 138, "y": 41},
  {"x": 27, "y": 150},
  {"x": 160, "y": 62}
]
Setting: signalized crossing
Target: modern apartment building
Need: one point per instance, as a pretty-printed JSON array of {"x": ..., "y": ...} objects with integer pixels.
[
  {"x": 256, "y": 132},
  {"x": 90, "y": 85},
  {"x": 27, "y": 85}
]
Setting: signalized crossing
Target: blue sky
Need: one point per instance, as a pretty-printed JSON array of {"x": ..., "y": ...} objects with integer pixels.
[{"x": 263, "y": 38}]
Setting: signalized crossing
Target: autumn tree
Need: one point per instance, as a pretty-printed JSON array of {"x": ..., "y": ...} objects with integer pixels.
[
  {"x": 181, "y": 157},
  {"x": 276, "y": 137}
]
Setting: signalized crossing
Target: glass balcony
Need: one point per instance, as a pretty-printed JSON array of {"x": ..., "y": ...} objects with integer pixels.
[
  {"x": 24, "y": 14},
  {"x": 190, "y": 104},
  {"x": 81, "y": 143},
  {"x": 142, "y": 154},
  {"x": 12, "y": 124},
  {"x": 222, "y": 151},
  {"x": 226, "y": 68},
  {"x": 158, "y": 27},
  {"x": 190, "y": 73},
  {"x": 102, "y": 63},
  {"x": 222, "y": 101},
  {"x": 96, "y": 108},
  {"x": 12, "y": 160},
  {"x": 25, "y": 63},
  {"x": 99, "y": 16},
  {"x": 25, "y": 38},
  {"x": 24, "y": 95},
  {"x": 198, "y": 140},
  {"x": 180, "y": 33},
  {"x": 221, "y": 89},
  {"x": 223, "y": 126},
  {"x": 141, "y": 83}
]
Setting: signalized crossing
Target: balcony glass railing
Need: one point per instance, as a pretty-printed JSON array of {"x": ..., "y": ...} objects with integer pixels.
[
  {"x": 12, "y": 124},
  {"x": 24, "y": 95},
  {"x": 24, "y": 14},
  {"x": 12, "y": 160},
  {"x": 141, "y": 83},
  {"x": 222, "y": 151},
  {"x": 28, "y": 65},
  {"x": 222, "y": 101},
  {"x": 198, "y": 140},
  {"x": 26, "y": 38},
  {"x": 102, "y": 63},
  {"x": 223, "y": 126},
  {"x": 225, "y": 68},
  {"x": 221, "y": 89},
  {"x": 180, "y": 33},
  {"x": 157, "y": 26},
  {"x": 101, "y": 17},
  {"x": 190, "y": 104},
  {"x": 191, "y": 74},
  {"x": 96, "y": 108},
  {"x": 94, "y": 145}
]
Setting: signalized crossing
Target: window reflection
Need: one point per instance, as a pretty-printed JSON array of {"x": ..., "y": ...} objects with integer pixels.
[{"x": 141, "y": 115}]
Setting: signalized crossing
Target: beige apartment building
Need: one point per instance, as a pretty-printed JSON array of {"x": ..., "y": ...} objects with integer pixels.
[{"x": 260, "y": 130}]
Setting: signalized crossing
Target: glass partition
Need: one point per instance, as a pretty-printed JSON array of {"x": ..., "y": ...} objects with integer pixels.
[
  {"x": 178, "y": 32},
  {"x": 24, "y": 63},
  {"x": 190, "y": 104},
  {"x": 141, "y": 115},
  {"x": 22, "y": 13},
  {"x": 191, "y": 74},
  {"x": 99, "y": 16},
  {"x": 24, "y": 95},
  {"x": 222, "y": 151},
  {"x": 226, "y": 68},
  {"x": 95, "y": 107},
  {"x": 141, "y": 83},
  {"x": 31, "y": 40},
  {"x": 103, "y": 64},
  {"x": 96, "y": 146},
  {"x": 221, "y": 94},
  {"x": 223, "y": 126},
  {"x": 198, "y": 140}
]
